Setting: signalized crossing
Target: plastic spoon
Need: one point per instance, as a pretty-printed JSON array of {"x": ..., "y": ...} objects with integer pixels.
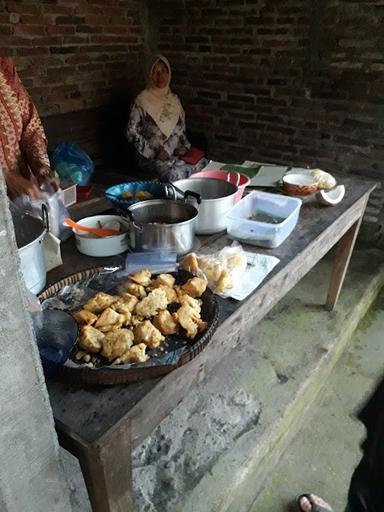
[{"x": 102, "y": 232}]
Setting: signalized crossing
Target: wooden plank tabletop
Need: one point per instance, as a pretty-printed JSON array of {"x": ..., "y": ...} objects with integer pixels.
[{"x": 89, "y": 413}]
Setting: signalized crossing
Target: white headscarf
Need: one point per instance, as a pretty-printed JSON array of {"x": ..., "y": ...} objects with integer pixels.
[{"x": 159, "y": 102}]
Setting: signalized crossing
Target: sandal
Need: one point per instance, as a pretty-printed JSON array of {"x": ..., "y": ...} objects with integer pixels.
[{"x": 314, "y": 506}]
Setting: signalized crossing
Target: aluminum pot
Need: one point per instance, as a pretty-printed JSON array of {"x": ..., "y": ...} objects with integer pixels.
[
  {"x": 160, "y": 224},
  {"x": 217, "y": 198},
  {"x": 30, "y": 232}
]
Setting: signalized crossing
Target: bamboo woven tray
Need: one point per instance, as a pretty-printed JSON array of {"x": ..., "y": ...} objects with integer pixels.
[{"x": 119, "y": 374}]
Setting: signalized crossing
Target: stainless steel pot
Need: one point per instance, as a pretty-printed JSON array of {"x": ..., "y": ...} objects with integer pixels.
[
  {"x": 30, "y": 232},
  {"x": 217, "y": 198},
  {"x": 160, "y": 224}
]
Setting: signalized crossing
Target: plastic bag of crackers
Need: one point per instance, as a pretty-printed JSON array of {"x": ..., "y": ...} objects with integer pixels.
[{"x": 222, "y": 269}]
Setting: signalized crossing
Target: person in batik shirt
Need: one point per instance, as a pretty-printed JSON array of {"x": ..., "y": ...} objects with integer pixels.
[
  {"x": 156, "y": 127},
  {"x": 23, "y": 146}
]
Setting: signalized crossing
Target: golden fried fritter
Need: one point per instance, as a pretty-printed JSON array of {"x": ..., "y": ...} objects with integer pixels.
[
  {"x": 116, "y": 343},
  {"x": 84, "y": 317},
  {"x": 162, "y": 279},
  {"x": 136, "y": 354},
  {"x": 143, "y": 195},
  {"x": 224, "y": 282},
  {"x": 190, "y": 263},
  {"x": 150, "y": 305},
  {"x": 186, "y": 299},
  {"x": 100, "y": 302},
  {"x": 189, "y": 318},
  {"x": 135, "y": 289},
  {"x": 129, "y": 300},
  {"x": 126, "y": 195},
  {"x": 169, "y": 292},
  {"x": 165, "y": 323},
  {"x": 147, "y": 333},
  {"x": 195, "y": 287},
  {"x": 109, "y": 318},
  {"x": 136, "y": 320},
  {"x": 90, "y": 339},
  {"x": 142, "y": 277}
]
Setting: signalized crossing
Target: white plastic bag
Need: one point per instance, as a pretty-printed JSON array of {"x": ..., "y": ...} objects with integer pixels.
[{"x": 222, "y": 269}]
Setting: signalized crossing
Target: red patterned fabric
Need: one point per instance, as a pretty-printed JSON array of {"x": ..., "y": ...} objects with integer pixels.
[{"x": 23, "y": 146}]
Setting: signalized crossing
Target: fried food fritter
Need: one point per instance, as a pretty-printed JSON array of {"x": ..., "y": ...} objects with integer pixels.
[
  {"x": 190, "y": 301},
  {"x": 136, "y": 320},
  {"x": 195, "y": 287},
  {"x": 150, "y": 305},
  {"x": 189, "y": 318},
  {"x": 143, "y": 195},
  {"x": 169, "y": 292},
  {"x": 136, "y": 354},
  {"x": 190, "y": 263},
  {"x": 90, "y": 339},
  {"x": 84, "y": 317},
  {"x": 129, "y": 300},
  {"x": 162, "y": 279},
  {"x": 116, "y": 343},
  {"x": 142, "y": 277},
  {"x": 135, "y": 289},
  {"x": 99, "y": 302},
  {"x": 110, "y": 318},
  {"x": 147, "y": 333},
  {"x": 224, "y": 282},
  {"x": 126, "y": 195},
  {"x": 165, "y": 323}
]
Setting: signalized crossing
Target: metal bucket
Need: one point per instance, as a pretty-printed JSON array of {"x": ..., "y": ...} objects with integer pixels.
[
  {"x": 160, "y": 224},
  {"x": 30, "y": 232}
]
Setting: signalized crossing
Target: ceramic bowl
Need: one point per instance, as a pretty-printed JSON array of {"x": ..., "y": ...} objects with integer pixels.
[{"x": 299, "y": 185}]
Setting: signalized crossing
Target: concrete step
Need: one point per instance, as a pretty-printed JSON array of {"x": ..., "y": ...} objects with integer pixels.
[
  {"x": 325, "y": 451},
  {"x": 285, "y": 363}
]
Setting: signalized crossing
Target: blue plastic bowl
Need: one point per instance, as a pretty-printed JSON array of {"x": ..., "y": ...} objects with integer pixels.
[{"x": 155, "y": 188}]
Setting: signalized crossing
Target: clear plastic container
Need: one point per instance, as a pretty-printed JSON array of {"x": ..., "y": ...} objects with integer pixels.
[{"x": 264, "y": 234}]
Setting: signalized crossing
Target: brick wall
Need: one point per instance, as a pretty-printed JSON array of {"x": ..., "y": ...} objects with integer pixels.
[
  {"x": 294, "y": 81},
  {"x": 76, "y": 54}
]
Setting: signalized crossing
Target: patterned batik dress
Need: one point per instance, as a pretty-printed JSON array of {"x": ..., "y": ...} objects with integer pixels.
[
  {"x": 148, "y": 139},
  {"x": 23, "y": 146}
]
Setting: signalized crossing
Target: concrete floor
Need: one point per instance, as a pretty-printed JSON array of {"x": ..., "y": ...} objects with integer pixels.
[{"x": 326, "y": 449}]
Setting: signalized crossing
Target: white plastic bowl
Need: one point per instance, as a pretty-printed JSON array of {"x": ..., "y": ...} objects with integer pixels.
[{"x": 101, "y": 247}]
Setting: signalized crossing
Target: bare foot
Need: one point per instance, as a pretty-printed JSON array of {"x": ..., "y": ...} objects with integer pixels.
[{"x": 306, "y": 503}]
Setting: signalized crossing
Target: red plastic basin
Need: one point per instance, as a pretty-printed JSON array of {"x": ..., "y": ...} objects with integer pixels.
[{"x": 241, "y": 180}]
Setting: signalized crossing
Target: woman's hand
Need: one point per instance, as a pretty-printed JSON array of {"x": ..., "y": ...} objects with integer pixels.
[
  {"x": 19, "y": 186},
  {"x": 162, "y": 154},
  {"x": 181, "y": 151}
]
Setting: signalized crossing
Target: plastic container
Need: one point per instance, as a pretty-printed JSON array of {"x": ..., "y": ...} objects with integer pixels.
[
  {"x": 263, "y": 234},
  {"x": 238, "y": 179}
]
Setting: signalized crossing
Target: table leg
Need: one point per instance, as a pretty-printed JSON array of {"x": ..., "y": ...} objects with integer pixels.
[
  {"x": 106, "y": 468},
  {"x": 343, "y": 255}
]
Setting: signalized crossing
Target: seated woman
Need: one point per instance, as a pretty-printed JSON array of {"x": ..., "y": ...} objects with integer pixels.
[
  {"x": 156, "y": 127},
  {"x": 23, "y": 146}
]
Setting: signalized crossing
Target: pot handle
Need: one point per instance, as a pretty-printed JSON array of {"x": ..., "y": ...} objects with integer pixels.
[
  {"x": 127, "y": 214},
  {"x": 196, "y": 197},
  {"x": 237, "y": 178},
  {"x": 172, "y": 192},
  {"x": 45, "y": 216}
]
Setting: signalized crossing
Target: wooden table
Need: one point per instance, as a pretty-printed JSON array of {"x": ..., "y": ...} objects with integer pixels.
[{"x": 101, "y": 425}]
